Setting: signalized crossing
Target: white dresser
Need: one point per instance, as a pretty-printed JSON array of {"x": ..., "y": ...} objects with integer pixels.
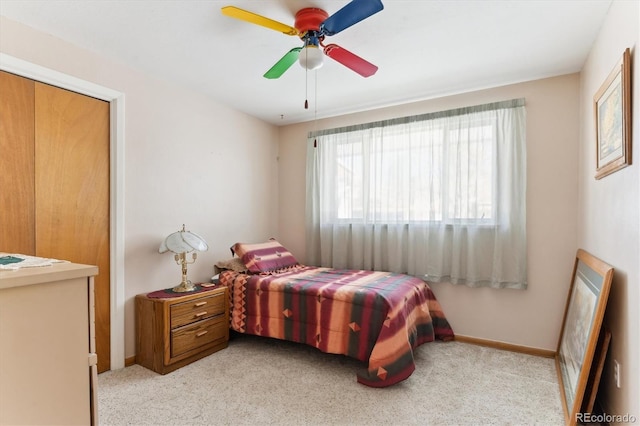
[{"x": 48, "y": 372}]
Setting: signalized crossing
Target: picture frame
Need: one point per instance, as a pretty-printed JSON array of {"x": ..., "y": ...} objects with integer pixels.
[
  {"x": 597, "y": 365},
  {"x": 612, "y": 108},
  {"x": 586, "y": 303}
]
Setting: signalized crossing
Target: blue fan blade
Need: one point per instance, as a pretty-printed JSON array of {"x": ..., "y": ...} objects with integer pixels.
[{"x": 352, "y": 13}]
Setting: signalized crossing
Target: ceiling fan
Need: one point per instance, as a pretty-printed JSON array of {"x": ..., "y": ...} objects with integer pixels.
[{"x": 312, "y": 25}]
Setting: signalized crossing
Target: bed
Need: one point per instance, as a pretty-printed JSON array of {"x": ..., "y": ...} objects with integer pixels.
[{"x": 373, "y": 316}]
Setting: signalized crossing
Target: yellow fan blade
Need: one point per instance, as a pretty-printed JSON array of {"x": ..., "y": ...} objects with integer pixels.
[{"x": 247, "y": 16}]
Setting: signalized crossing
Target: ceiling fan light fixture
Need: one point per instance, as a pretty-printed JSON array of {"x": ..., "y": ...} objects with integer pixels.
[{"x": 311, "y": 57}]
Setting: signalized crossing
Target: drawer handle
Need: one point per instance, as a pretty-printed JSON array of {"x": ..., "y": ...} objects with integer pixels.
[
  {"x": 197, "y": 305},
  {"x": 202, "y": 333},
  {"x": 199, "y": 314}
]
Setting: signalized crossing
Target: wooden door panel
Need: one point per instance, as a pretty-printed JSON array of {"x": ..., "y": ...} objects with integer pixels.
[
  {"x": 72, "y": 190},
  {"x": 17, "y": 187}
]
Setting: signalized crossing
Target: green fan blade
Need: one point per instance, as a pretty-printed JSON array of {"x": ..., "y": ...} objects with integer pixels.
[{"x": 283, "y": 64}]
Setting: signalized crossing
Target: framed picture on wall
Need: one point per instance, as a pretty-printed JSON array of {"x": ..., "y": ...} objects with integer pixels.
[
  {"x": 612, "y": 106},
  {"x": 581, "y": 326}
]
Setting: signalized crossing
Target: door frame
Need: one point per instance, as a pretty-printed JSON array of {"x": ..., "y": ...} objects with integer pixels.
[{"x": 36, "y": 72}]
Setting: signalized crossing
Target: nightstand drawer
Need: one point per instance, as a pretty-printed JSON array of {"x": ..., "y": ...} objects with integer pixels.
[
  {"x": 197, "y": 309},
  {"x": 190, "y": 337}
]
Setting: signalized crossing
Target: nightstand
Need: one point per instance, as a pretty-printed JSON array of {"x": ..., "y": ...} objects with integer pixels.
[{"x": 173, "y": 332}]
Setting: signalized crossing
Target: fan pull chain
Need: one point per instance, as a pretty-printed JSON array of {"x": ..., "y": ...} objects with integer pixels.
[
  {"x": 306, "y": 85},
  {"x": 315, "y": 112},
  {"x": 315, "y": 99}
]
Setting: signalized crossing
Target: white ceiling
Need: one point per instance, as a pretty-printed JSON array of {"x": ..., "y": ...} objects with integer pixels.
[{"x": 423, "y": 48}]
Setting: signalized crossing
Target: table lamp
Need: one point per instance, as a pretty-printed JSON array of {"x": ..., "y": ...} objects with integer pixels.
[{"x": 181, "y": 243}]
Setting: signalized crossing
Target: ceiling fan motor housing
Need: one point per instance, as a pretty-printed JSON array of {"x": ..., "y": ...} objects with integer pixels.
[
  {"x": 309, "y": 19},
  {"x": 307, "y": 22}
]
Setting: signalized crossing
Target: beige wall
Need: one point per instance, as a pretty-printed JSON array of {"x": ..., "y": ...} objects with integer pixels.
[
  {"x": 531, "y": 317},
  {"x": 186, "y": 156},
  {"x": 609, "y": 218}
]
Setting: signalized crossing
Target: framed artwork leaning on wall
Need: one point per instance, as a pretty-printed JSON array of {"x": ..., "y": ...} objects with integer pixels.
[
  {"x": 612, "y": 107},
  {"x": 586, "y": 303}
]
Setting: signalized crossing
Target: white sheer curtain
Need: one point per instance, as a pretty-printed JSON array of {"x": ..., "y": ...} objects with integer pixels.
[{"x": 441, "y": 196}]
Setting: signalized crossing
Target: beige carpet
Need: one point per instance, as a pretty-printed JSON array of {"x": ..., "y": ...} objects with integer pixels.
[{"x": 258, "y": 381}]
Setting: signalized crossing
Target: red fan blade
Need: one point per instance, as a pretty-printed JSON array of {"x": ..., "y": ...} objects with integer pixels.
[{"x": 350, "y": 60}]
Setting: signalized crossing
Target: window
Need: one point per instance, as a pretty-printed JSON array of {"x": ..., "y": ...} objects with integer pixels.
[
  {"x": 368, "y": 182},
  {"x": 451, "y": 182}
]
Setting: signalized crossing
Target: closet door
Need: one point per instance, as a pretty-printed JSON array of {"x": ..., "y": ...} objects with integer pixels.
[
  {"x": 17, "y": 190},
  {"x": 72, "y": 190}
]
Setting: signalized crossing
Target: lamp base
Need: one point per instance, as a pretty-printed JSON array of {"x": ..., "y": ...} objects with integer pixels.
[{"x": 184, "y": 286}]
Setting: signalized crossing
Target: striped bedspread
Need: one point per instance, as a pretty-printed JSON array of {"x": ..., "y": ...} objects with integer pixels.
[{"x": 376, "y": 317}]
